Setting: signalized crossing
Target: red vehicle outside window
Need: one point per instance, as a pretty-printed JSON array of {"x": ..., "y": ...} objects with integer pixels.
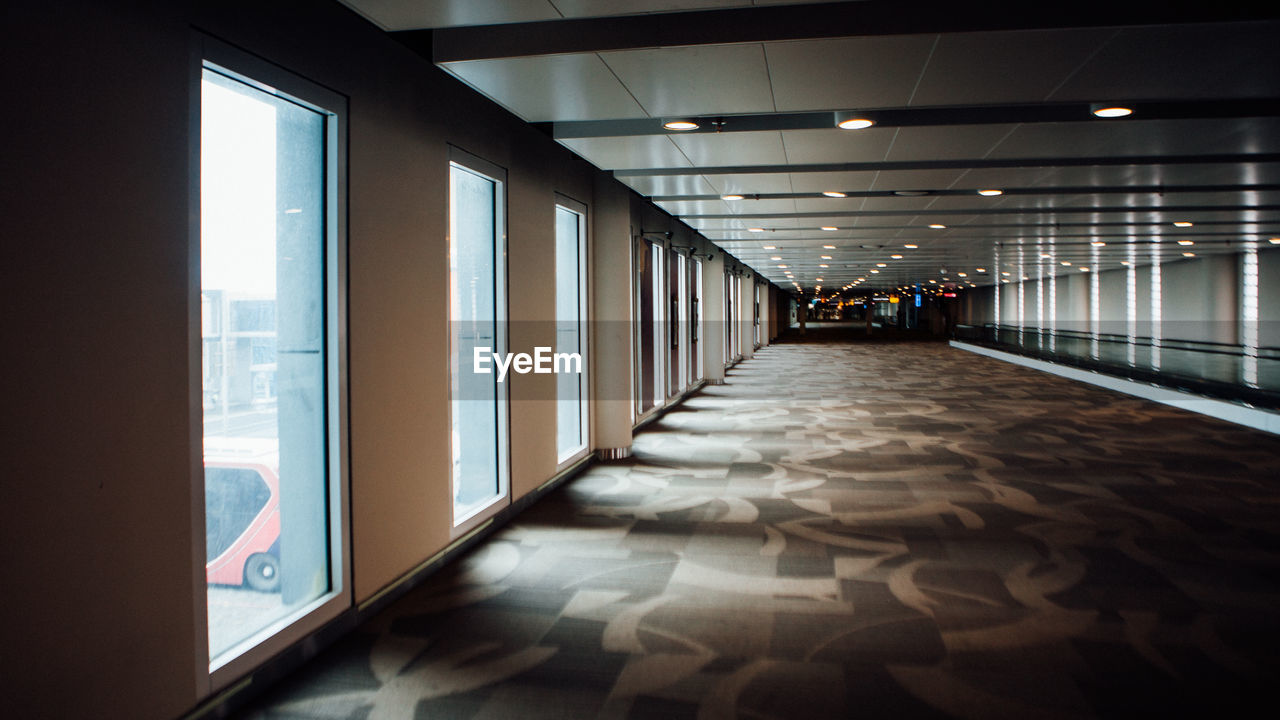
[{"x": 242, "y": 530}]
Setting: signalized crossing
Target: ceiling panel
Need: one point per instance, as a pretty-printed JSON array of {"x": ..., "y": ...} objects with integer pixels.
[
  {"x": 700, "y": 80},
  {"x": 650, "y": 185},
  {"x": 846, "y": 73},
  {"x": 1138, "y": 137},
  {"x": 632, "y": 152},
  {"x": 1004, "y": 67},
  {"x": 549, "y": 88},
  {"x": 417, "y": 14},
  {"x": 739, "y": 148},
  {"x": 751, "y": 184},
  {"x": 950, "y": 141},
  {"x": 916, "y": 179},
  {"x": 820, "y": 146},
  {"x": 1169, "y": 62}
]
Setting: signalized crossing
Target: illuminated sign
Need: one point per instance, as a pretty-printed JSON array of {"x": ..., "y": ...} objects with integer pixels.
[
  {"x": 917, "y": 299},
  {"x": 948, "y": 294}
]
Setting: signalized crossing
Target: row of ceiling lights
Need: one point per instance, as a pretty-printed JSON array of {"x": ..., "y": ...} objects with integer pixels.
[
  {"x": 1004, "y": 274},
  {"x": 859, "y": 121}
]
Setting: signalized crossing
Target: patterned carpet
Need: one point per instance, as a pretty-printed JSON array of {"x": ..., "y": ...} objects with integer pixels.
[{"x": 857, "y": 530}]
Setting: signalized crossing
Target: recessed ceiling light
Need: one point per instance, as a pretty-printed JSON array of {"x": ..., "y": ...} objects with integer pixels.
[
  {"x": 776, "y": 257},
  {"x": 982, "y": 269},
  {"x": 784, "y": 267},
  {"x": 852, "y": 121},
  {"x": 1188, "y": 254},
  {"x": 1066, "y": 262},
  {"x": 990, "y": 193},
  {"x": 938, "y": 226},
  {"x": 1125, "y": 262},
  {"x": 731, "y": 197},
  {"x": 896, "y": 257},
  {"x": 933, "y": 282},
  {"x": 1005, "y": 274},
  {"x": 877, "y": 272},
  {"x": 834, "y": 193},
  {"x": 1110, "y": 111},
  {"x": 1183, "y": 223},
  {"x": 1274, "y": 241},
  {"x": 829, "y": 247},
  {"x": 822, "y": 266},
  {"x": 826, "y": 257},
  {"x": 755, "y": 229},
  {"x": 770, "y": 247},
  {"x": 963, "y": 274},
  {"x": 1084, "y": 269},
  {"x": 910, "y": 246},
  {"x": 680, "y": 125},
  {"x": 1097, "y": 243},
  {"x": 1186, "y": 242},
  {"x": 828, "y": 228},
  {"x": 882, "y": 265},
  {"x": 818, "y": 280},
  {"x": 1045, "y": 256}
]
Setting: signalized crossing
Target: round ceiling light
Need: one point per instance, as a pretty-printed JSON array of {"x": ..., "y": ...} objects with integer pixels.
[
  {"x": 1110, "y": 111},
  {"x": 680, "y": 125},
  {"x": 990, "y": 193},
  {"x": 853, "y": 121}
]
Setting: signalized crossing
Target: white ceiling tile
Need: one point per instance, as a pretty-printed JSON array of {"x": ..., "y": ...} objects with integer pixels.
[
  {"x": 846, "y": 73},
  {"x": 1098, "y": 138},
  {"x": 739, "y": 148},
  {"x": 620, "y": 153},
  {"x": 843, "y": 181},
  {"x": 835, "y": 145},
  {"x": 1170, "y": 62},
  {"x": 551, "y": 87},
  {"x": 1004, "y": 67},
  {"x": 751, "y": 184},
  {"x": 651, "y": 185},
  {"x": 915, "y": 179},
  {"x": 699, "y": 80},
  {"x": 947, "y": 142},
  {"x": 596, "y": 8},
  {"x": 418, "y": 14}
]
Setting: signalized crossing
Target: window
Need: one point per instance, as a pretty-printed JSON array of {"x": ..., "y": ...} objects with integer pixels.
[
  {"x": 571, "y": 318},
  {"x": 272, "y": 449},
  {"x": 477, "y": 317}
]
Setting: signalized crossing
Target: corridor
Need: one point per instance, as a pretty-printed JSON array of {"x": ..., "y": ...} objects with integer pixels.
[{"x": 856, "y": 529}]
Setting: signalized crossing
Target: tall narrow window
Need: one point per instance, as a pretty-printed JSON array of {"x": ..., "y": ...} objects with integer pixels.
[
  {"x": 271, "y": 404},
  {"x": 571, "y": 319},
  {"x": 477, "y": 315}
]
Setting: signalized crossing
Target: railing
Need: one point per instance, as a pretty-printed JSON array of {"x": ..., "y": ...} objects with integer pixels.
[{"x": 1218, "y": 370}]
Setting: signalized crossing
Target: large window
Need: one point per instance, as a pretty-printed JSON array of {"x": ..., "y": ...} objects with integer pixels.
[
  {"x": 571, "y": 319},
  {"x": 477, "y": 317},
  {"x": 269, "y": 239}
]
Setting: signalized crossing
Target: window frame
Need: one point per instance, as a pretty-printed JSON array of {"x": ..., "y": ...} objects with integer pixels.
[
  {"x": 584, "y": 341},
  {"x": 474, "y": 164},
  {"x": 255, "y": 72}
]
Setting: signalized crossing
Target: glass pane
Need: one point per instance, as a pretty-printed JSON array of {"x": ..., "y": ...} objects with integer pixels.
[
  {"x": 473, "y": 307},
  {"x": 570, "y": 437},
  {"x": 262, "y": 301}
]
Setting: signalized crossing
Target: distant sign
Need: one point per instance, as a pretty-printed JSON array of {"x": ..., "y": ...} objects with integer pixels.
[
  {"x": 948, "y": 294},
  {"x": 917, "y": 299}
]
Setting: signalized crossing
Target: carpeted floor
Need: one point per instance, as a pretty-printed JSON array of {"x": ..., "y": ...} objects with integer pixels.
[{"x": 857, "y": 530}]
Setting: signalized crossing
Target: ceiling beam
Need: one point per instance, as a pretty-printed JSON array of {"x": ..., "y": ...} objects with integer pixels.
[
  {"x": 919, "y": 117},
  {"x": 984, "y": 163},
  {"x": 1166, "y": 209},
  {"x": 801, "y": 22},
  {"x": 1026, "y": 191}
]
